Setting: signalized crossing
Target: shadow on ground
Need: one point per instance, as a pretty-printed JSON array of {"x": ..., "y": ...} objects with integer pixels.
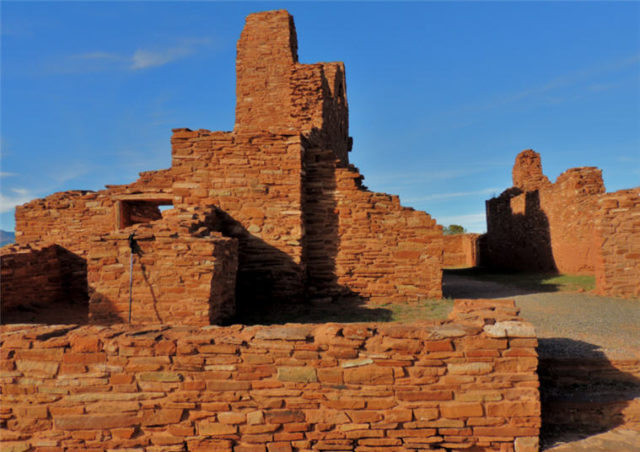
[
  {"x": 476, "y": 283},
  {"x": 582, "y": 392},
  {"x": 62, "y": 313},
  {"x": 343, "y": 310}
]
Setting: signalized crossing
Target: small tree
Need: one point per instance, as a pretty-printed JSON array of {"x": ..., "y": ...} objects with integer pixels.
[{"x": 453, "y": 229}]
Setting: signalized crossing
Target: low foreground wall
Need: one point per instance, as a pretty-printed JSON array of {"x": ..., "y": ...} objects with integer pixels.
[{"x": 468, "y": 382}]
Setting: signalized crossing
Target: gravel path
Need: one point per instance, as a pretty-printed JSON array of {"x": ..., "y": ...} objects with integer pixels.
[{"x": 568, "y": 324}]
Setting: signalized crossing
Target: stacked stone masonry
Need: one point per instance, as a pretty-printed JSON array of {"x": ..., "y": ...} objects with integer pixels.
[
  {"x": 617, "y": 267},
  {"x": 570, "y": 226},
  {"x": 184, "y": 273},
  {"x": 460, "y": 250},
  {"x": 467, "y": 382},
  {"x": 40, "y": 275},
  {"x": 280, "y": 183}
]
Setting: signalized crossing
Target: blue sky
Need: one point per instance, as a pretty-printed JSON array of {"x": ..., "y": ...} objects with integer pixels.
[{"x": 442, "y": 96}]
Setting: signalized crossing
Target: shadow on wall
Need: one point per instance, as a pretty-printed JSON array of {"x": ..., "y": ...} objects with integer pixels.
[
  {"x": 518, "y": 233},
  {"x": 69, "y": 304},
  {"x": 258, "y": 280},
  {"x": 582, "y": 392}
]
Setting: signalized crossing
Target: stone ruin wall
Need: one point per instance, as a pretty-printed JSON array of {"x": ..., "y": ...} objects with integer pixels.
[
  {"x": 617, "y": 266},
  {"x": 256, "y": 181},
  {"x": 460, "y": 250},
  {"x": 464, "y": 382},
  {"x": 183, "y": 273},
  {"x": 280, "y": 183},
  {"x": 40, "y": 276},
  {"x": 537, "y": 225}
]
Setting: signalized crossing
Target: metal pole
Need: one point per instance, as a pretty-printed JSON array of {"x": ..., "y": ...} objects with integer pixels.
[
  {"x": 130, "y": 283},
  {"x": 132, "y": 246}
]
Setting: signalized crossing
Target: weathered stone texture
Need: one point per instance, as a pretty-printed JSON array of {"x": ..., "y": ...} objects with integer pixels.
[
  {"x": 446, "y": 384},
  {"x": 571, "y": 226},
  {"x": 183, "y": 273},
  {"x": 527, "y": 172},
  {"x": 617, "y": 266},
  {"x": 256, "y": 180},
  {"x": 40, "y": 274},
  {"x": 536, "y": 225},
  {"x": 460, "y": 250},
  {"x": 281, "y": 185}
]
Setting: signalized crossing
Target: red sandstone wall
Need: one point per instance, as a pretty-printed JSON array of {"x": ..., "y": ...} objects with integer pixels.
[
  {"x": 617, "y": 266},
  {"x": 541, "y": 226},
  {"x": 179, "y": 278},
  {"x": 309, "y": 387},
  {"x": 71, "y": 218},
  {"x": 267, "y": 51},
  {"x": 68, "y": 219},
  {"x": 460, "y": 250},
  {"x": 387, "y": 253},
  {"x": 256, "y": 179},
  {"x": 40, "y": 275},
  {"x": 365, "y": 243}
]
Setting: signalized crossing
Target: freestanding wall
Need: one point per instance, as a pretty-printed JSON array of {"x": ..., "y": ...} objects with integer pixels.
[
  {"x": 617, "y": 267},
  {"x": 470, "y": 381},
  {"x": 571, "y": 226}
]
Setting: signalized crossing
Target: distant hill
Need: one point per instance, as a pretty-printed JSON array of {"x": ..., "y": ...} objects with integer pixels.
[{"x": 7, "y": 237}]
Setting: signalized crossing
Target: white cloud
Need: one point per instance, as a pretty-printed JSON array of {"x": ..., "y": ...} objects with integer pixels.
[
  {"x": 461, "y": 194},
  {"x": 19, "y": 196},
  {"x": 4, "y": 174},
  {"x": 142, "y": 58}
]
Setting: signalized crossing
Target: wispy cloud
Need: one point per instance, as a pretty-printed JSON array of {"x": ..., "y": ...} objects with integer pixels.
[
  {"x": 567, "y": 80},
  {"x": 69, "y": 172},
  {"x": 141, "y": 58},
  {"x": 561, "y": 89},
  {"x": 4, "y": 174},
  {"x": 17, "y": 197},
  {"x": 461, "y": 194}
]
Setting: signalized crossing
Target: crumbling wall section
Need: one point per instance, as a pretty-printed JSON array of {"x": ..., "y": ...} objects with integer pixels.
[
  {"x": 460, "y": 250},
  {"x": 387, "y": 252},
  {"x": 183, "y": 274},
  {"x": 451, "y": 384},
  {"x": 617, "y": 267},
  {"x": 363, "y": 243},
  {"x": 539, "y": 226},
  {"x": 67, "y": 219},
  {"x": 71, "y": 218}
]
